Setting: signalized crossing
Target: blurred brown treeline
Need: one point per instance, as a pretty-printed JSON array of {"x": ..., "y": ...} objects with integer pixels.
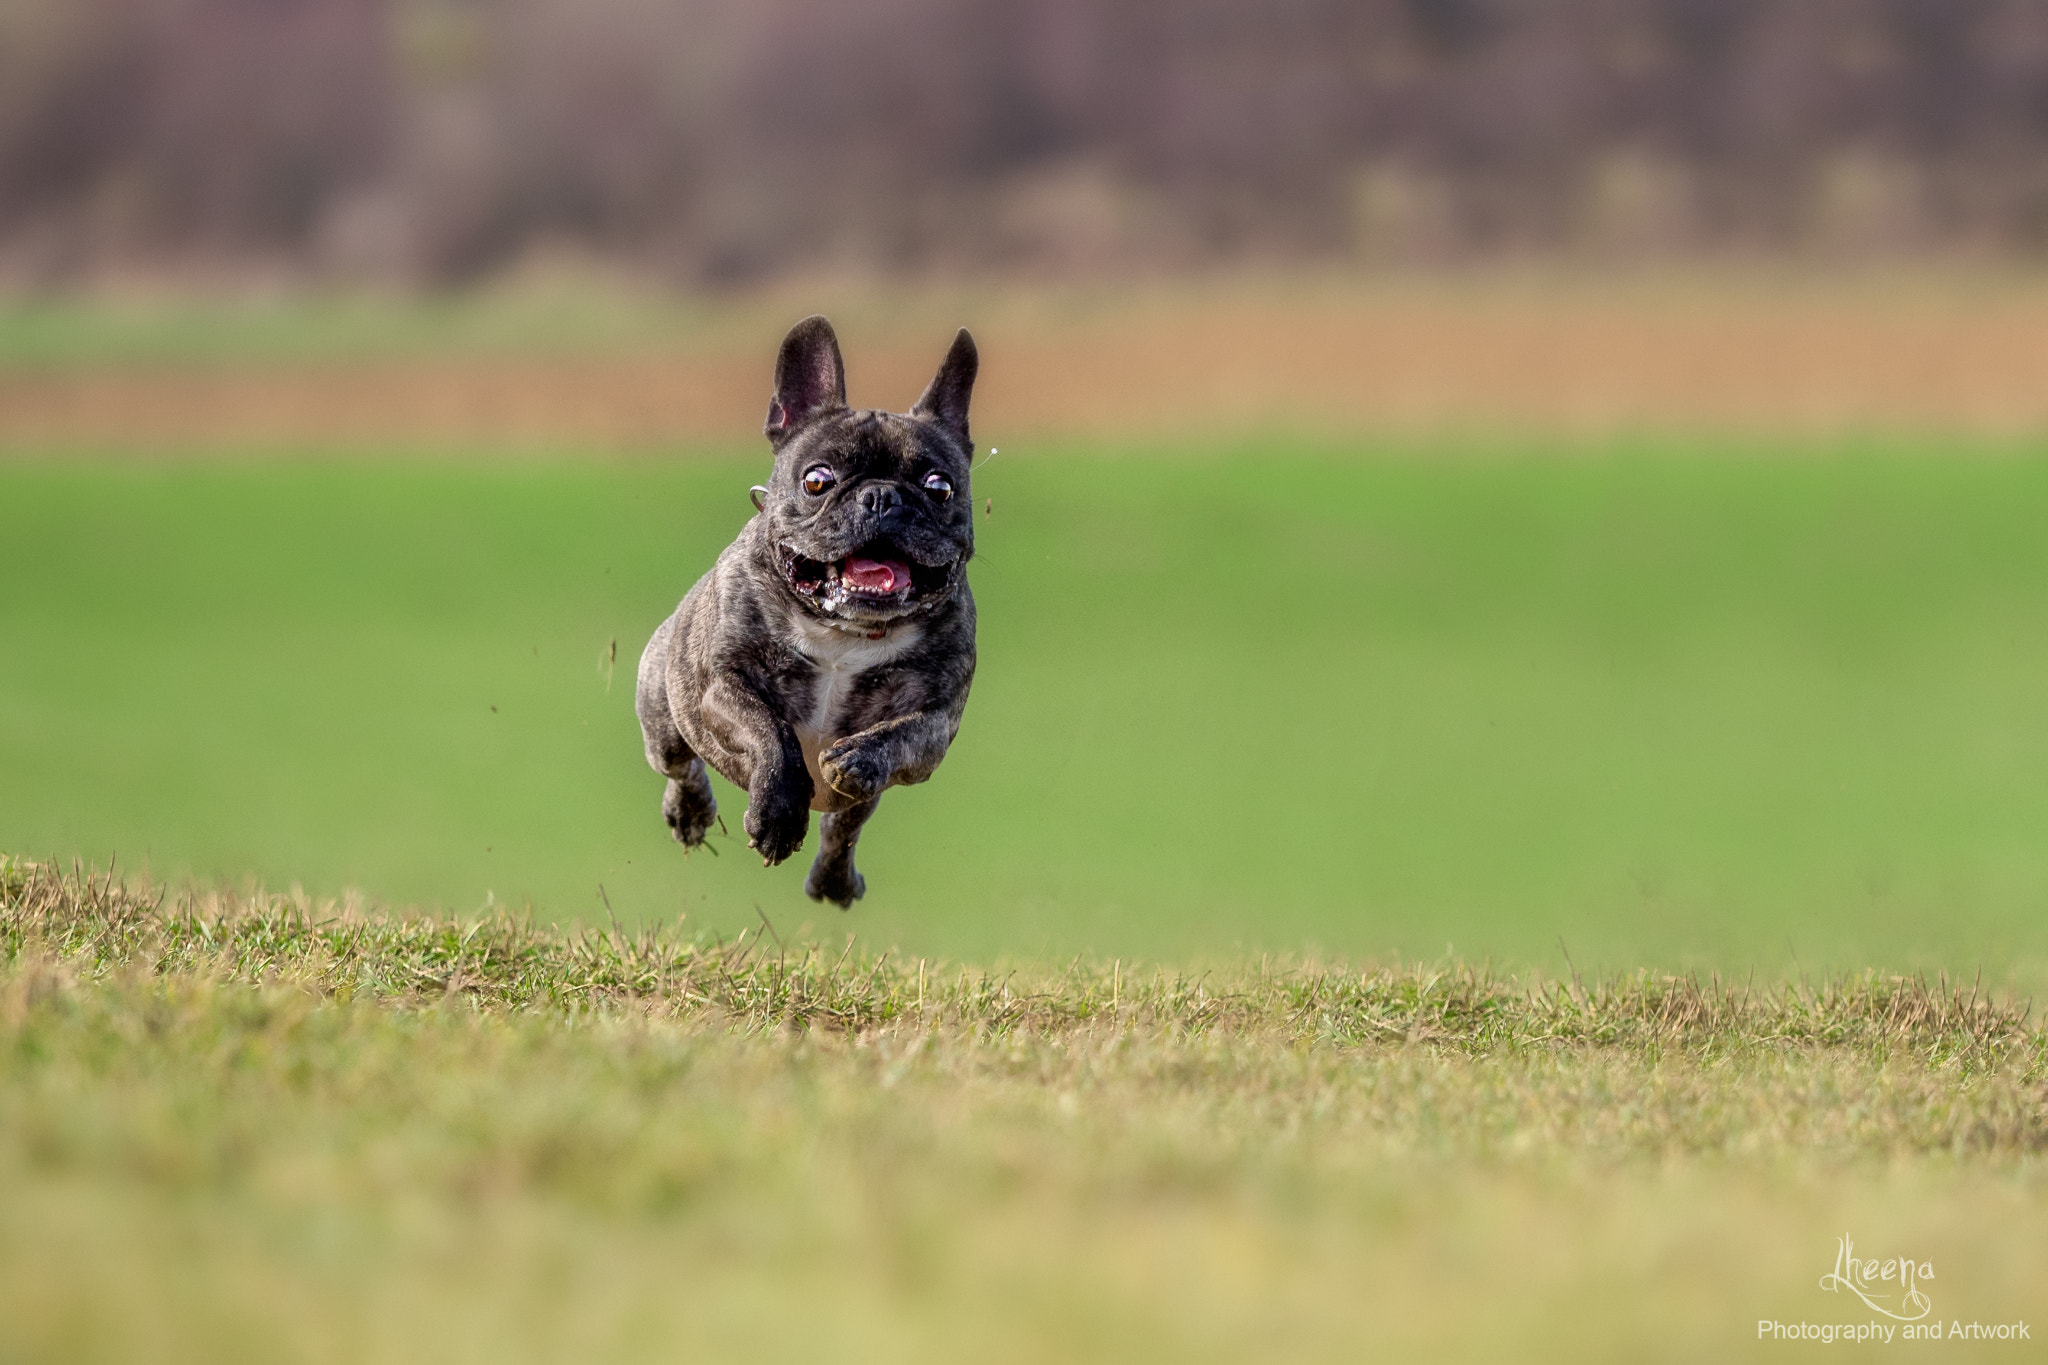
[{"x": 727, "y": 140}]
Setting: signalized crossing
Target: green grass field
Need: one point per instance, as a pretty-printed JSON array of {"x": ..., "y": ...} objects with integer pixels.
[
  {"x": 271, "y": 1130},
  {"x": 1671, "y": 703},
  {"x": 1275, "y": 970}
]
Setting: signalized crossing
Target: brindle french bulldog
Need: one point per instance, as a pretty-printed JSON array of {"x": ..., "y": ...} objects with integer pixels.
[{"x": 826, "y": 656}]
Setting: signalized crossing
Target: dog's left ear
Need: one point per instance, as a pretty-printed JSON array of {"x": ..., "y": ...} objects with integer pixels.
[{"x": 945, "y": 398}]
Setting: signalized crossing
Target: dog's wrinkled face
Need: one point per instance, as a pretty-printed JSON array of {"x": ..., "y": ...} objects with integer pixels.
[{"x": 869, "y": 515}]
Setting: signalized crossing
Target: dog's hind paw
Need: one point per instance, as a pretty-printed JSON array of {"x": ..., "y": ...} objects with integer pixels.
[
  {"x": 841, "y": 885},
  {"x": 688, "y": 813}
]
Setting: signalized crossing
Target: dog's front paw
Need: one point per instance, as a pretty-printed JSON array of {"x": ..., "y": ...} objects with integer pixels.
[
  {"x": 776, "y": 823},
  {"x": 853, "y": 769}
]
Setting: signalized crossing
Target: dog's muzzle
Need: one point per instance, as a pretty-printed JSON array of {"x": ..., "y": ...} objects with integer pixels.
[{"x": 879, "y": 579}]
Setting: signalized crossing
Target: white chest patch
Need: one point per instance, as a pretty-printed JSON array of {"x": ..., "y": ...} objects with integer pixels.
[{"x": 840, "y": 657}]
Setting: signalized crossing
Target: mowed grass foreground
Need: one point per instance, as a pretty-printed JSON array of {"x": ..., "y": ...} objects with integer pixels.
[
  {"x": 1678, "y": 702},
  {"x": 255, "y": 1127}
]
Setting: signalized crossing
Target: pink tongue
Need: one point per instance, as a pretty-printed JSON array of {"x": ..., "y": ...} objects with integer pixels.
[{"x": 875, "y": 575}]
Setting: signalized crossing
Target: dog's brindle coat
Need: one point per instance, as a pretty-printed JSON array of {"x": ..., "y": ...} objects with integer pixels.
[{"x": 827, "y": 654}]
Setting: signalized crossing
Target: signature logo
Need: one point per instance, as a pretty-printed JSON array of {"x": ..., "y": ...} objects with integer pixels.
[{"x": 1880, "y": 1282}]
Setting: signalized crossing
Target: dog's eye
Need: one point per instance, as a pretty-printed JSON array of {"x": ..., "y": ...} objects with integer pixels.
[
  {"x": 938, "y": 486},
  {"x": 817, "y": 479}
]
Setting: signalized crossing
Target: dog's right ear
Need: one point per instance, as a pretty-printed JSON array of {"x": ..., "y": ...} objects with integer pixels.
[{"x": 809, "y": 378}]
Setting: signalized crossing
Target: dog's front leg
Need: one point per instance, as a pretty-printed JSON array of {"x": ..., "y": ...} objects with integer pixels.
[
  {"x": 895, "y": 753},
  {"x": 778, "y": 785}
]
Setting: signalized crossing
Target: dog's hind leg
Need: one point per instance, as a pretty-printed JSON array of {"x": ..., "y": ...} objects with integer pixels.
[
  {"x": 687, "y": 806},
  {"x": 833, "y": 877}
]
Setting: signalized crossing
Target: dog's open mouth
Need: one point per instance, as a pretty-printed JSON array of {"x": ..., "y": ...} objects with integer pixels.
[{"x": 878, "y": 574}]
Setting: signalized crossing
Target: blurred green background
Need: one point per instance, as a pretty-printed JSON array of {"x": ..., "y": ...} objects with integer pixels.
[{"x": 1675, "y": 702}]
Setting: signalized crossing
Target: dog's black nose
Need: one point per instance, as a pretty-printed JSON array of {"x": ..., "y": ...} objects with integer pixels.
[{"x": 880, "y": 497}]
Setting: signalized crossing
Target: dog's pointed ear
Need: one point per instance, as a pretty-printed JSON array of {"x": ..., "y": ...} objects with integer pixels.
[
  {"x": 809, "y": 378},
  {"x": 945, "y": 398}
]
